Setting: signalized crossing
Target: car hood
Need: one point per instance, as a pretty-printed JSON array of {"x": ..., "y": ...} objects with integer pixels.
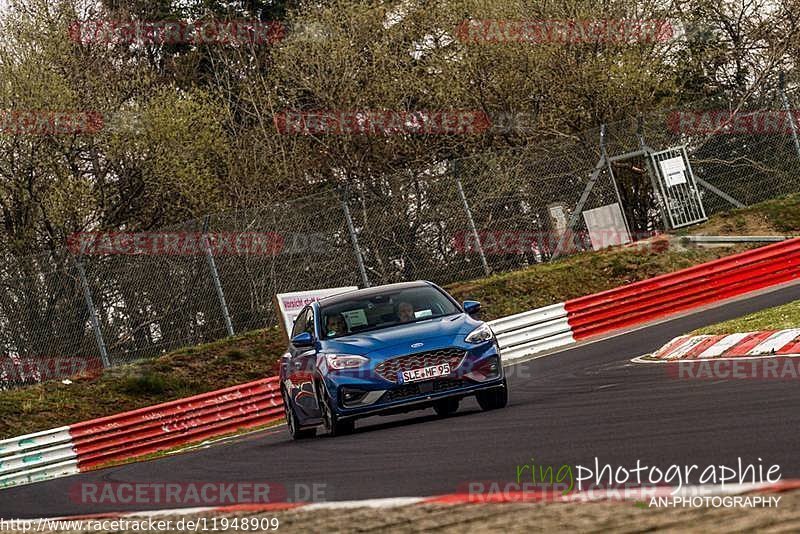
[{"x": 441, "y": 331}]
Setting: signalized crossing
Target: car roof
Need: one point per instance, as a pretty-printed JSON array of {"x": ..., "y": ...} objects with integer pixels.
[{"x": 370, "y": 292}]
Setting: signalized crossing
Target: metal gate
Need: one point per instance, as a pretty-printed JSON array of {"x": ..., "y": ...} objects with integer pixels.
[{"x": 680, "y": 198}]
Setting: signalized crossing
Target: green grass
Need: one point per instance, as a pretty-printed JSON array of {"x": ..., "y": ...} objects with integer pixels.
[
  {"x": 778, "y": 318},
  {"x": 181, "y": 373},
  {"x": 576, "y": 276},
  {"x": 782, "y": 213},
  {"x": 254, "y": 355},
  {"x": 774, "y": 217}
]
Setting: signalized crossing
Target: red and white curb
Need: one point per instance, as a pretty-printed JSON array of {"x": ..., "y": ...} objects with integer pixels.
[
  {"x": 770, "y": 343},
  {"x": 626, "y": 495}
]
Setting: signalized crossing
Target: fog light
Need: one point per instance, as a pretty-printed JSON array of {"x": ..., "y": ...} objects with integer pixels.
[
  {"x": 352, "y": 396},
  {"x": 486, "y": 370}
]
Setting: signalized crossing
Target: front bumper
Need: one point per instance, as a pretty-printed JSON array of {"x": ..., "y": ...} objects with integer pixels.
[
  {"x": 418, "y": 402},
  {"x": 381, "y": 396}
]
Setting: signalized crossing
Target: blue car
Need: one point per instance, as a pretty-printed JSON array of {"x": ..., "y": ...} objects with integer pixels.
[{"x": 385, "y": 350}]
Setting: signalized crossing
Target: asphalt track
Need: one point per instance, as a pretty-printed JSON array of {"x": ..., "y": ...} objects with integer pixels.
[{"x": 566, "y": 408}]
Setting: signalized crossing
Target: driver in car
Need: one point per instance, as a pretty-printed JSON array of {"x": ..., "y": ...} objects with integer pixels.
[{"x": 335, "y": 325}]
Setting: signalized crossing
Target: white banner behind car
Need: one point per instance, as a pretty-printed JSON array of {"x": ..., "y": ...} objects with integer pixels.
[{"x": 290, "y": 304}]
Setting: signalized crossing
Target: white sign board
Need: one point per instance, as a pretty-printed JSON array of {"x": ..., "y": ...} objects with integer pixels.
[
  {"x": 290, "y": 304},
  {"x": 558, "y": 216},
  {"x": 674, "y": 171},
  {"x": 606, "y": 226}
]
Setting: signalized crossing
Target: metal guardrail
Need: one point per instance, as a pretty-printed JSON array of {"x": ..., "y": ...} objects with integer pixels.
[
  {"x": 532, "y": 331},
  {"x": 37, "y": 456},
  {"x": 732, "y": 239},
  {"x": 562, "y": 324},
  {"x": 91, "y": 444},
  {"x": 667, "y": 294}
]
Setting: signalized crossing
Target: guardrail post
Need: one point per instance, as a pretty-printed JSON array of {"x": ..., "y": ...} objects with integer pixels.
[
  {"x": 789, "y": 115},
  {"x": 212, "y": 266},
  {"x": 87, "y": 295},
  {"x": 472, "y": 226},
  {"x": 354, "y": 238}
]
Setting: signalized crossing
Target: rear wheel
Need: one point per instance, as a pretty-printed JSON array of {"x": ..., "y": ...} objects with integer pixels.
[
  {"x": 494, "y": 398},
  {"x": 291, "y": 422},
  {"x": 333, "y": 425},
  {"x": 445, "y": 407}
]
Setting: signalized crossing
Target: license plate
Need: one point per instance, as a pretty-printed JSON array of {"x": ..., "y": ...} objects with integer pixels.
[{"x": 423, "y": 373}]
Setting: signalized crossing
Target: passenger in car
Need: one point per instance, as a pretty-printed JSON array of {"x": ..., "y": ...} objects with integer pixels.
[{"x": 405, "y": 312}]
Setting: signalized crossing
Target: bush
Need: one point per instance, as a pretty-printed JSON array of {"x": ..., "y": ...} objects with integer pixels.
[{"x": 146, "y": 384}]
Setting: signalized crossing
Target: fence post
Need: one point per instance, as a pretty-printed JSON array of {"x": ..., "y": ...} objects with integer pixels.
[
  {"x": 472, "y": 226},
  {"x": 575, "y": 215},
  {"x": 354, "y": 238},
  {"x": 87, "y": 295},
  {"x": 789, "y": 115},
  {"x": 212, "y": 266},
  {"x": 604, "y": 154},
  {"x": 652, "y": 172}
]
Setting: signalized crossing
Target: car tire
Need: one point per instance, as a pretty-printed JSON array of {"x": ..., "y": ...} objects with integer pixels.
[
  {"x": 291, "y": 422},
  {"x": 333, "y": 425},
  {"x": 446, "y": 407},
  {"x": 493, "y": 399}
]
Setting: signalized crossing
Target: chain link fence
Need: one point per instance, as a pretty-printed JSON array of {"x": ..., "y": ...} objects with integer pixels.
[{"x": 450, "y": 221}]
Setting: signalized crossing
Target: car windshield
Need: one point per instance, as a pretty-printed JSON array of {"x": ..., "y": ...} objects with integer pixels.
[{"x": 384, "y": 310}]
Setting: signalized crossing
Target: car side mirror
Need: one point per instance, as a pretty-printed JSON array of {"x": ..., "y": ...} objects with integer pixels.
[
  {"x": 303, "y": 339},
  {"x": 471, "y": 307}
]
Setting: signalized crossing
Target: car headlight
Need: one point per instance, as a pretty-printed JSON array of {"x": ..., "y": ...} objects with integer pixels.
[
  {"x": 345, "y": 361},
  {"x": 480, "y": 334}
]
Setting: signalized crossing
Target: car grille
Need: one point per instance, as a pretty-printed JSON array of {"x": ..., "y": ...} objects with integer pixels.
[
  {"x": 413, "y": 390},
  {"x": 388, "y": 370}
]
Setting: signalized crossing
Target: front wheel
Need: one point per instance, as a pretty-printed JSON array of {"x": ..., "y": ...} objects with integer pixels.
[
  {"x": 333, "y": 425},
  {"x": 494, "y": 398}
]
